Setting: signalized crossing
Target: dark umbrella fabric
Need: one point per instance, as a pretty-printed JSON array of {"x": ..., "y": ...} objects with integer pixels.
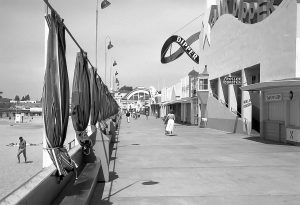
[
  {"x": 100, "y": 98},
  {"x": 95, "y": 101},
  {"x": 81, "y": 99},
  {"x": 56, "y": 95}
]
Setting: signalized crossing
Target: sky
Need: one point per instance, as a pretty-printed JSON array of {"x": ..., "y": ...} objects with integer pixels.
[{"x": 137, "y": 29}]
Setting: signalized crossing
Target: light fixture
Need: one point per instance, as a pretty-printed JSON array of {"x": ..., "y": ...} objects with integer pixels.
[
  {"x": 105, "y": 4},
  {"x": 110, "y": 45}
]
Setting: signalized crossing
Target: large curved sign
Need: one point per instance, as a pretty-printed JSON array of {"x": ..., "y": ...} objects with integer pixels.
[
  {"x": 184, "y": 47},
  {"x": 247, "y": 11}
]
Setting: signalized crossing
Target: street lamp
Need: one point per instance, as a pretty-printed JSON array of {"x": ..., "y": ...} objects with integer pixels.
[
  {"x": 109, "y": 46},
  {"x": 104, "y": 4},
  {"x": 113, "y": 64}
]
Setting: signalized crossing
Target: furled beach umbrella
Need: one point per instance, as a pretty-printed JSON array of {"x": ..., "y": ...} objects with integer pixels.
[
  {"x": 81, "y": 101},
  {"x": 95, "y": 100},
  {"x": 56, "y": 95}
]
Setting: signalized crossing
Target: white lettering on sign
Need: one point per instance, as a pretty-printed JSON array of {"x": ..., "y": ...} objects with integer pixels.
[
  {"x": 273, "y": 97},
  {"x": 186, "y": 47},
  {"x": 232, "y": 80}
]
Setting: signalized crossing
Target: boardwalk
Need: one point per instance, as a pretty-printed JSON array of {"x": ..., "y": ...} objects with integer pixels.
[{"x": 198, "y": 166}]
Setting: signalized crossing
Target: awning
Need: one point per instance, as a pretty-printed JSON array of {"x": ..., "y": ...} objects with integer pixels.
[
  {"x": 183, "y": 100},
  {"x": 291, "y": 82}
]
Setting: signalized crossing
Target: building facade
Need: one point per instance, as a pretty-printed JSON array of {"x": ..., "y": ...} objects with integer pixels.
[
  {"x": 182, "y": 99},
  {"x": 258, "y": 43}
]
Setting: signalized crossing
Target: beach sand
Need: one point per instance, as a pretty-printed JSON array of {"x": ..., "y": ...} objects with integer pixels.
[{"x": 13, "y": 174}]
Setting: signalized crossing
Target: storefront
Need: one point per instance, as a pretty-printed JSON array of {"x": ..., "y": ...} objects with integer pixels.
[{"x": 280, "y": 109}]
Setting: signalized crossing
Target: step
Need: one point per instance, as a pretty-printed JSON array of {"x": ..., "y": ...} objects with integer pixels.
[{"x": 82, "y": 189}]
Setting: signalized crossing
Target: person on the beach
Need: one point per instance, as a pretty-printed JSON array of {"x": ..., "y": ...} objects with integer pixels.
[
  {"x": 22, "y": 149},
  {"x": 170, "y": 123}
]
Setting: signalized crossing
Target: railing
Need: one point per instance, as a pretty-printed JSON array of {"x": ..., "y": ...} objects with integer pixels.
[{"x": 226, "y": 104}]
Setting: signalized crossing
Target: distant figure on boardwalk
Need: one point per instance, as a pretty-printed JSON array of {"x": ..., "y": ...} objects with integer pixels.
[
  {"x": 147, "y": 113},
  {"x": 128, "y": 116},
  {"x": 170, "y": 123},
  {"x": 22, "y": 149}
]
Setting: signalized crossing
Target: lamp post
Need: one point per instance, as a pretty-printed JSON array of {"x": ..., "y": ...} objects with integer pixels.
[
  {"x": 115, "y": 81},
  {"x": 104, "y": 4},
  {"x": 106, "y": 48},
  {"x": 111, "y": 65}
]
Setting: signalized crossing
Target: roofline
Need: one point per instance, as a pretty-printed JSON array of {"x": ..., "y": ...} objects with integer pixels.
[{"x": 292, "y": 82}]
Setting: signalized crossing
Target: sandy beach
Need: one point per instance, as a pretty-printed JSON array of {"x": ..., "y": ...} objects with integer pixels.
[{"x": 14, "y": 174}]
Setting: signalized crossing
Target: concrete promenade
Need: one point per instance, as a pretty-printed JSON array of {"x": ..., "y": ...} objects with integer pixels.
[{"x": 198, "y": 166}]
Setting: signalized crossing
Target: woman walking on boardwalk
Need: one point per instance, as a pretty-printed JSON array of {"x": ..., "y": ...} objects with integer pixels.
[
  {"x": 128, "y": 116},
  {"x": 170, "y": 124}
]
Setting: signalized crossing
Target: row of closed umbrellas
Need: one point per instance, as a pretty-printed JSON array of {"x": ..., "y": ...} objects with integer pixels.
[{"x": 91, "y": 101}]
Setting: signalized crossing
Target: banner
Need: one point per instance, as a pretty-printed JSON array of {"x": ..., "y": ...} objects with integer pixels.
[{"x": 185, "y": 47}]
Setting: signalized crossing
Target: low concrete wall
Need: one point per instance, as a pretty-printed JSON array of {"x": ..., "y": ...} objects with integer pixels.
[
  {"x": 43, "y": 187},
  {"x": 221, "y": 118},
  {"x": 229, "y": 125}
]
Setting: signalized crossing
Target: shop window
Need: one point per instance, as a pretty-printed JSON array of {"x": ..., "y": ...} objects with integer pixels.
[
  {"x": 203, "y": 84},
  {"x": 146, "y": 97}
]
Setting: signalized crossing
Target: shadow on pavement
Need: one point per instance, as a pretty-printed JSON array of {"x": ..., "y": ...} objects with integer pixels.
[
  {"x": 150, "y": 182},
  {"x": 113, "y": 176},
  {"x": 259, "y": 139}
]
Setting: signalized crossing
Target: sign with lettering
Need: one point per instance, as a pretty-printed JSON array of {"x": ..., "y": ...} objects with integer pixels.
[
  {"x": 232, "y": 80},
  {"x": 247, "y": 103},
  {"x": 273, "y": 97},
  {"x": 184, "y": 47},
  {"x": 246, "y": 11}
]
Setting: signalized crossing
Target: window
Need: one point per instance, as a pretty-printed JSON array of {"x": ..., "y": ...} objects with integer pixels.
[
  {"x": 136, "y": 96},
  {"x": 141, "y": 96},
  {"x": 146, "y": 97},
  {"x": 203, "y": 84}
]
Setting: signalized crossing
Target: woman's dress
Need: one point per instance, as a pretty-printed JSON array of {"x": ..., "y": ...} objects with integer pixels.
[{"x": 170, "y": 125}]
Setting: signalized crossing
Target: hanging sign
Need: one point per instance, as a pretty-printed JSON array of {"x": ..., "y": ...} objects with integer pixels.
[
  {"x": 231, "y": 80},
  {"x": 184, "y": 47},
  {"x": 273, "y": 97},
  {"x": 247, "y": 103}
]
